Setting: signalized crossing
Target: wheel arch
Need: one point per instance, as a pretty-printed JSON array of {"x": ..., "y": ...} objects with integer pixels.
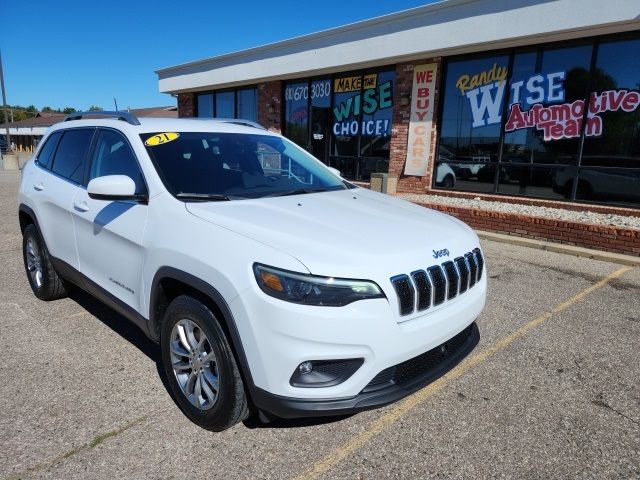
[
  {"x": 27, "y": 216},
  {"x": 169, "y": 283}
]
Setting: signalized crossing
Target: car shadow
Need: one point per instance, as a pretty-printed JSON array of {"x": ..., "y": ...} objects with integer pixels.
[{"x": 132, "y": 334}]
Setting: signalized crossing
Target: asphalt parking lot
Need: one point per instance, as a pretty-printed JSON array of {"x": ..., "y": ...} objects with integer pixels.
[{"x": 551, "y": 391}]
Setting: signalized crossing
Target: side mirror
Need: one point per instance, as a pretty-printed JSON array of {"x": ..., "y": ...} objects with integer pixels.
[
  {"x": 335, "y": 171},
  {"x": 113, "y": 187}
]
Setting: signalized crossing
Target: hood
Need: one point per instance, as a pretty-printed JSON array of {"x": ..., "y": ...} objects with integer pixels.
[{"x": 348, "y": 233}]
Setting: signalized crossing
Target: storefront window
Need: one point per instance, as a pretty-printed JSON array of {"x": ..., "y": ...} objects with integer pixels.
[
  {"x": 610, "y": 166},
  {"x": 558, "y": 140},
  {"x": 471, "y": 122},
  {"x": 296, "y": 98},
  {"x": 205, "y": 105},
  {"x": 361, "y": 122},
  {"x": 347, "y": 100},
  {"x": 344, "y": 121},
  {"x": 247, "y": 104},
  {"x": 225, "y": 105},
  {"x": 242, "y": 103},
  {"x": 543, "y": 125}
]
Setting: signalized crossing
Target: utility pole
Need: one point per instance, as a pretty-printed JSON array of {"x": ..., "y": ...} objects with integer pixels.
[{"x": 4, "y": 103}]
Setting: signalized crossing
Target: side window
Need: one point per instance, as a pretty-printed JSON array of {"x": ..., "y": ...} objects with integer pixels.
[
  {"x": 113, "y": 156},
  {"x": 70, "y": 157},
  {"x": 46, "y": 152}
]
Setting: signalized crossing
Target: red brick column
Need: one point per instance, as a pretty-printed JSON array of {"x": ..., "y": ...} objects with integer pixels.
[
  {"x": 400, "y": 130},
  {"x": 187, "y": 104},
  {"x": 270, "y": 94}
]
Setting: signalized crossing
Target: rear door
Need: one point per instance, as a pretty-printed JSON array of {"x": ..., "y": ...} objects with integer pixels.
[
  {"x": 54, "y": 190},
  {"x": 109, "y": 233}
]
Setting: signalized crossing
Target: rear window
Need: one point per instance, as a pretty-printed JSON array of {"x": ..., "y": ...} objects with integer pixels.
[
  {"x": 71, "y": 154},
  {"x": 46, "y": 152}
]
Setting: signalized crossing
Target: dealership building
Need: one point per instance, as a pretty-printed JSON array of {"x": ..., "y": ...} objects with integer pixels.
[{"x": 526, "y": 101}]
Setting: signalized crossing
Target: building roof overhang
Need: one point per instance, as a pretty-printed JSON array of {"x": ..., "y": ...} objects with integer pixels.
[{"x": 445, "y": 28}]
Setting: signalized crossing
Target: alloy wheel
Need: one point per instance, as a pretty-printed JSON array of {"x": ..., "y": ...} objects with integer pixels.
[{"x": 194, "y": 364}]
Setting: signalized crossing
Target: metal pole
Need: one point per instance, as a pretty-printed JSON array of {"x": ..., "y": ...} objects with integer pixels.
[{"x": 4, "y": 103}]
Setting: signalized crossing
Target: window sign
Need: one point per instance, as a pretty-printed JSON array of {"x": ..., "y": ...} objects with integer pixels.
[
  {"x": 422, "y": 98},
  {"x": 485, "y": 91},
  {"x": 352, "y": 102}
]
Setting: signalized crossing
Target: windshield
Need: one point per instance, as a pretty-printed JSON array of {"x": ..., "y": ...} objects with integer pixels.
[{"x": 215, "y": 166}]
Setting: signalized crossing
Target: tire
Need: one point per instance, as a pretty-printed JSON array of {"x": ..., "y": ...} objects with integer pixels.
[
  {"x": 448, "y": 182},
  {"x": 187, "y": 320},
  {"x": 43, "y": 278}
]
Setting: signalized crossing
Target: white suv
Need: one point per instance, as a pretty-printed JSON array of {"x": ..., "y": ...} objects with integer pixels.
[{"x": 272, "y": 284}]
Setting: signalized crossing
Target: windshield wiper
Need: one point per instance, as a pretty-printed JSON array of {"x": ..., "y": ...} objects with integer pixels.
[
  {"x": 297, "y": 191},
  {"x": 203, "y": 197}
]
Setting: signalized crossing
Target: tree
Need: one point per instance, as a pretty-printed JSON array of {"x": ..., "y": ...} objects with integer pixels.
[
  {"x": 94, "y": 108},
  {"x": 69, "y": 110},
  {"x": 47, "y": 109}
]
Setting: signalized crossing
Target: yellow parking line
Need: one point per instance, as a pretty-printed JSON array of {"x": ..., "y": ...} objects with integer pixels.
[{"x": 337, "y": 455}]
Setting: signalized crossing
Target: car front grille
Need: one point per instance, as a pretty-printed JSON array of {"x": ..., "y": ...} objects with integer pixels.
[{"x": 425, "y": 289}]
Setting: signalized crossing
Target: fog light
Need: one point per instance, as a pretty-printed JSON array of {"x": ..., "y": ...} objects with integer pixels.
[
  {"x": 324, "y": 373},
  {"x": 305, "y": 367}
]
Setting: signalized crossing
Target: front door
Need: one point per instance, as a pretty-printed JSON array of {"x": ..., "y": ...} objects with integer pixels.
[{"x": 109, "y": 233}]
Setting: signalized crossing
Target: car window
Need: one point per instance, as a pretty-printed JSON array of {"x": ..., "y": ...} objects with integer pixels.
[
  {"x": 46, "y": 152},
  {"x": 113, "y": 156},
  {"x": 69, "y": 160},
  {"x": 236, "y": 165}
]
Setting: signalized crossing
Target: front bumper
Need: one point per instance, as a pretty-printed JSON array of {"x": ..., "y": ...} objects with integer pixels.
[{"x": 442, "y": 361}]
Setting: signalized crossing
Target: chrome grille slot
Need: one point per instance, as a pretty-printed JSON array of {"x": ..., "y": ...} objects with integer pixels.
[
  {"x": 453, "y": 279},
  {"x": 480, "y": 261},
  {"x": 423, "y": 286},
  {"x": 463, "y": 270},
  {"x": 406, "y": 294},
  {"x": 473, "y": 268},
  {"x": 421, "y": 290},
  {"x": 439, "y": 283}
]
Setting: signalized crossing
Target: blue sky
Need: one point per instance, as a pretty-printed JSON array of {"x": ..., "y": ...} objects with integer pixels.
[{"x": 82, "y": 53}]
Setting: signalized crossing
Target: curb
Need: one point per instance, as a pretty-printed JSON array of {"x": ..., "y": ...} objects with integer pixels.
[{"x": 560, "y": 248}]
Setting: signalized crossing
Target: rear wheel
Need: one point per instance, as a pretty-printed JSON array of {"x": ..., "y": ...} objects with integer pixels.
[
  {"x": 200, "y": 366},
  {"x": 43, "y": 278}
]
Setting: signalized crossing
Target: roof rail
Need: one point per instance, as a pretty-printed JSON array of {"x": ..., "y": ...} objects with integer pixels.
[{"x": 126, "y": 116}]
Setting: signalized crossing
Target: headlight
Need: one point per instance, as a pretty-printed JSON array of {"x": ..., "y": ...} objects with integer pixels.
[{"x": 313, "y": 290}]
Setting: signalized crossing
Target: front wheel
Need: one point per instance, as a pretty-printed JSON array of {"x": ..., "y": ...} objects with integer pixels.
[
  {"x": 200, "y": 366},
  {"x": 43, "y": 278}
]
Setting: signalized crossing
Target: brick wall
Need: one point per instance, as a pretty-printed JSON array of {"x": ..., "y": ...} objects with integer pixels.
[
  {"x": 187, "y": 104},
  {"x": 400, "y": 130},
  {"x": 599, "y": 237},
  {"x": 565, "y": 205},
  {"x": 270, "y": 94}
]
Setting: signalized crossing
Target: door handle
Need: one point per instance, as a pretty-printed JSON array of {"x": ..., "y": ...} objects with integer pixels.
[
  {"x": 38, "y": 186},
  {"x": 81, "y": 206}
]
